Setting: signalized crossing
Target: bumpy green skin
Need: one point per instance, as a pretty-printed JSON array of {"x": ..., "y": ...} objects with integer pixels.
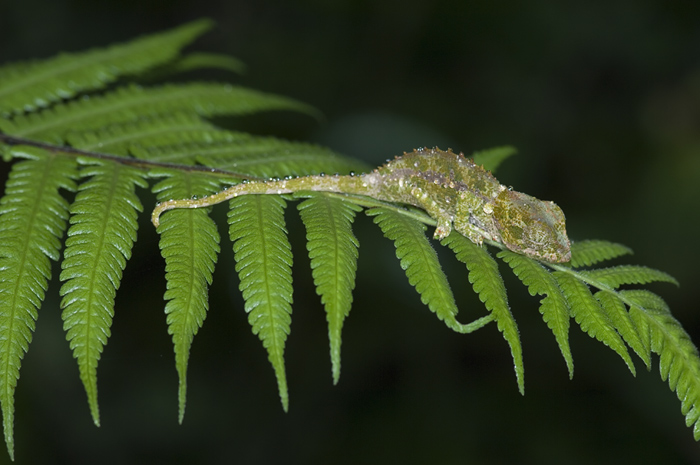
[{"x": 450, "y": 188}]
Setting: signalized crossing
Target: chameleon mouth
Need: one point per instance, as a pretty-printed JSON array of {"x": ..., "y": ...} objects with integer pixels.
[{"x": 560, "y": 254}]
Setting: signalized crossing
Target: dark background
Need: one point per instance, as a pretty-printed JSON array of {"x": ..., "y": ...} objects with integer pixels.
[{"x": 602, "y": 100}]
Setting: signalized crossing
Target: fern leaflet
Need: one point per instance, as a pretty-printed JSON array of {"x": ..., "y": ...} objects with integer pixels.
[
  {"x": 253, "y": 155},
  {"x": 333, "y": 252},
  {"x": 616, "y": 276},
  {"x": 122, "y": 138},
  {"x": 198, "y": 60},
  {"x": 487, "y": 282},
  {"x": 587, "y": 253},
  {"x": 263, "y": 262},
  {"x": 270, "y": 157},
  {"x": 39, "y": 84},
  {"x": 590, "y": 315},
  {"x": 553, "y": 307},
  {"x": 189, "y": 242},
  {"x": 32, "y": 222},
  {"x": 423, "y": 270},
  {"x": 102, "y": 233},
  {"x": 492, "y": 158},
  {"x": 624, "y": 324},
  {"x": 679, "y": 361},
  {"x": 132, "y": 102}
]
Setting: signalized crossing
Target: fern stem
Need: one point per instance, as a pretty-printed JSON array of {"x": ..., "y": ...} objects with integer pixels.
[
  {"x": 134, "y": 162},
  {"x": 591, "y": 281}
]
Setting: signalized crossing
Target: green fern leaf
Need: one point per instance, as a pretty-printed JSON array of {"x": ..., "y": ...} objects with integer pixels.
[
  {"x": 121, "y": 138},
  {"x": 254, "y": 155},
  {"x": 419, "y": 260},
  {"x": 491, "y": 159},
  {"x": 32, "y": 221},
  {"x": 199, "y": 60},
  {"x": 102, "y": 233},
  {"x": 616, "y": 276},
  {"x": 639, "y": 301},
  {"x": 587, "y": 253},
  {"x": 188, "y": 151},
  {"x": 39, "y": 84},
  {"x": 679, "y": 361},
  {"x": 590, "y": 315},
  {"x": 644, "y": 299},
  {"x": 624, "y": 324},
  {"x": 133, "y": 102},
  {"x": 189, "y": 242},
  {"x": 263, "y": 262},
  {"x": 10, "y": 69},
  {"x": 553, "y": 307},
  {"x": 270, "y": 157},
  {"x": 333, "y": 252},
  {"x": 488, "y": 284}
]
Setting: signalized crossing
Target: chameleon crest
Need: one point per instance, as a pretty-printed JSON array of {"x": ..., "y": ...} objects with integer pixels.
[{"x": 452, "y": 189}]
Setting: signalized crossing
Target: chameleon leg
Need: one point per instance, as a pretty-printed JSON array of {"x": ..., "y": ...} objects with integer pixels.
[
  {"x": 472, "y": 232},
  {"x": 443, "y": 228},
  {"x": 474, "y": 235}
]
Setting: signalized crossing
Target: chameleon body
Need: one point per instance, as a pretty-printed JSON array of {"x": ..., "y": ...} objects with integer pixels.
[{"x": 452, "y": 189}]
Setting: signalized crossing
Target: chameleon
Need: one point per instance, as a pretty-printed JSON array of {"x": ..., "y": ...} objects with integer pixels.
[{"x": 452, "y": 189}]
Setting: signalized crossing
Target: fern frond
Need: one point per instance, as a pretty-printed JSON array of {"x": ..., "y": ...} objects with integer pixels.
[
  {"x": 553, "y": 307},
  {"x": 32, "y": 222},
  {"x": 492, "y": 158},
  {"x": 488, "y": 284},
  {"x": 100, "y": 238},
  {"x": 624, "y": 324},
  {"x": 590, "y": 315},
  {"x": 616, "y": 276},
  {"x": 118, "y": 139},
  {"x": 133, "y": 102},
  {"x": 587, "y": 253},
  {"x": 420, "y": 262},
  {"x": 679, "y": 361},
  {"x": 39, "y": 84},
  {"x": 333, "y": 252},
  {"x": 263, "y": 262},
  {"x": 189, "y": 243}
]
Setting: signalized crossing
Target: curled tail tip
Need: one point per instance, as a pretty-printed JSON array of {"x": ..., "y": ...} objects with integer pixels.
[{"x": 155, "y": 216}]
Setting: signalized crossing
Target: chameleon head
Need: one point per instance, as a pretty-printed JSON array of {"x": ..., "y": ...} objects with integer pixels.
[{"x": 532, "y": 227}]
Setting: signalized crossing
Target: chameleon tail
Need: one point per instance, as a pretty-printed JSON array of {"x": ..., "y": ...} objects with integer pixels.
[{"x": 343, "y": 184}]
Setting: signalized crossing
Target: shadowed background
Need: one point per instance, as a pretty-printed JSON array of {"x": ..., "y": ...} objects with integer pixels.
[{"x": 602, "y": 101}]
